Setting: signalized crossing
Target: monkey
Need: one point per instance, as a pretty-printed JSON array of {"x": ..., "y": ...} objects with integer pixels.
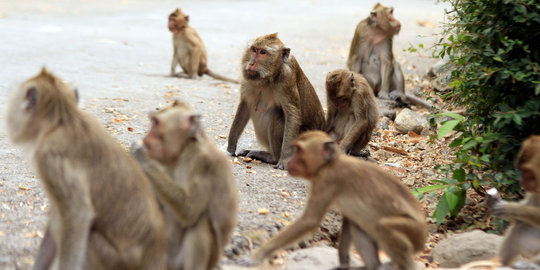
[
  {"x": 278, "y": 98},
  {"x": 371, "y": 55},
  {"x": 194, "y": 180},
  {"x": 523, "y": 237},
  {"x": 188, "y": 49},
  {"x": 104, "y": 214},
  {"x": 379, "y": 212},
  {"x": 352, "y": 110}
]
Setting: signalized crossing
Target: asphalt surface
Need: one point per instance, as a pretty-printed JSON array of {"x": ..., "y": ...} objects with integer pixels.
[{"x": 118, "y": 53}]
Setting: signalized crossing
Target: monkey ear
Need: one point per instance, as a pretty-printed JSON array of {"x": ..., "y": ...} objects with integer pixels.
[
  {"x": 353, "y": 81},
  {"x": 373, "y": 16},
  {"x": 285, "y": 53},
  {"x": 194, "y": 122},
  {"x": 176, "y": 103},
  {"x": 30, "y": 99},
  {"x": 187, "y": 18},
  {"x": 329, "y": 151}
]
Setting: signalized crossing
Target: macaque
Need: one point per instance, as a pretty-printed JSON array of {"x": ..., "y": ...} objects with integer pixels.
[
  {"x": 278, "y": 98},
  {"x": 194, "y": 182},
  {"x": 371, "y": 55},
  {"x": 352, "y": 110},
  {"x": 104, "y": 214},
  {"x": 523, "y": 238},
  {"x": 379, "y": 212},
  {"x": 188, "y": 49}
]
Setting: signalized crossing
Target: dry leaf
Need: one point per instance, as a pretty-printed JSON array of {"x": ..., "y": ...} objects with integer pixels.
[
  {"x": 21, "y": 187},
  {"x": 130, "y": 129},
  {"x": 263, "y": 211},
  {"x": 247, "y": 159}
]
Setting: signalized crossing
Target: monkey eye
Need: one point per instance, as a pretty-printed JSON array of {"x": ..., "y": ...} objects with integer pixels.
[
  {"x": 253, "y": 50},
  {"x": 262, "y": 51},
  {"x": 391, "y": 11}
]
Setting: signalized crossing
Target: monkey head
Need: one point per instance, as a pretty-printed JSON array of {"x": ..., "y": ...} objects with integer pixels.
[
  {"x": 529, "y": 163},
  {"x": 340, "y": 84},
  {"x": 177, "y": 21},
  {"x": 264, "y": 57},
  {"x": 383, "y": 18},
  {"x": 42, "y": 100},
  {"x": 171, "y": 129},
  {"x": 312, "y": 150}
]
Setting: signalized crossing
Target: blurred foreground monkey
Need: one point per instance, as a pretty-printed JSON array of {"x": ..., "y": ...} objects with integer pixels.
[
  {"x": 278, "y": 98},
  {"x": 523, "y": 238},
  {"x": 103, "y": 214},
  {"x": 379, "y": 212},
  {"x": 194, "y": 180},
  {"x": 371, "y": 55},
  {"x": 189, "y": 50},
  {"x": 352, "y": 110}
]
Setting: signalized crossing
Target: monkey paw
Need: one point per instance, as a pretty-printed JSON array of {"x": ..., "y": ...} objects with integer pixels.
[
  {"x": 280, "y": 165},
  {"x": 138, "y": 151}
]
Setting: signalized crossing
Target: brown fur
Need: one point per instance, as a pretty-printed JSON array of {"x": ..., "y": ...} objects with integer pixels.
[
  {"x": 103, "y": 212},
  {"x": 194, "y": 180},
  {"x": 379, "y": 211},
  {"x": 371, "y": 55},
  {"x": 188, "y": 49},
  {"x": 523, "y": 238},
  {"x": 352, "y": 110},
  {"x": 278, "y": 97}
]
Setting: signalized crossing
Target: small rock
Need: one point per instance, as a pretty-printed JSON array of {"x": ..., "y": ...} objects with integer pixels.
[
  {"x": 463, "y": 248},
  {"x": 428, "y": 172},
  {"x": 315, "y": 258},
  {"x": 408, "y": 120}
]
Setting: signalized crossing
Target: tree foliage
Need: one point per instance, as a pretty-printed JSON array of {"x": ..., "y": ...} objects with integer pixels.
[{"x": 493, "y": 47}]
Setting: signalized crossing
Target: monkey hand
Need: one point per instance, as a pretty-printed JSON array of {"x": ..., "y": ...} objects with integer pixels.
[
  {"x": 139, "y": 152},
  {"x": 231, "y": 149},
  {"x": 282, "y": 165},
  {"x": 497, "y": 205}
]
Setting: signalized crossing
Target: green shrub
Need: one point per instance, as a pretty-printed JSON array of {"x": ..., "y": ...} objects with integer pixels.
[{"x": 493, "y": 47}]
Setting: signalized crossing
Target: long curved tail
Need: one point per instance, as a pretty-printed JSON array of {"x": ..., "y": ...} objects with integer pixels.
[{"x": 220, "y": 77}]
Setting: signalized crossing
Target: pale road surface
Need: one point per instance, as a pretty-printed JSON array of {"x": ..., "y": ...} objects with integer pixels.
[{"x": 117, "y": 53}]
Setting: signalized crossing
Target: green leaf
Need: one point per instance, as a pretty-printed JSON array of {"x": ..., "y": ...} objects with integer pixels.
[
  {"x": 455, "y": 202},
  {"x": 537, "y": 90},
  {"x": 469, "y": 145},
  {"x": 498, "y": 59},
  {"x": 447, "y": 127},
  {"x": 442, "y": 210},
  {"x": 452, "y": 115},
  {"x": 459, "y": 175},
  {"x": 431, "y": 188},
  {"x": 517, "y": 119}
]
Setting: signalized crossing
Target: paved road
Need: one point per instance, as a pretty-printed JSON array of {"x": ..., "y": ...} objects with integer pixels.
[{"x": 117, "y": 54}]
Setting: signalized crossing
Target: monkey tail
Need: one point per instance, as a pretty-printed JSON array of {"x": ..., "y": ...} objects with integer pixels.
[{"x": 220, "y": 77}]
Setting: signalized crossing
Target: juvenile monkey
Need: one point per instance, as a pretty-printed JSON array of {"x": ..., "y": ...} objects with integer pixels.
[
  {"x": 371, "y": 55},
  {"x": 523, "y": 238},
  {"x": 278, "y": 98},
  {"x": 103, "y": 211},
  {"x": 194, "y": 181},
  {"x": 352, "y": 110},
  {"x": 188, "y": 49},
  {"x": 379, "y": 212}
]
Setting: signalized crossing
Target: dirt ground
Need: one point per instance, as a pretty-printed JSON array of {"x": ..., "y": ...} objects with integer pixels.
[{"x": 118, "y": 54}]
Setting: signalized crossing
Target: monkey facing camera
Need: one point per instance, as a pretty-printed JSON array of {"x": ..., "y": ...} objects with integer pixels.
[{"x": 194, "y": 182}]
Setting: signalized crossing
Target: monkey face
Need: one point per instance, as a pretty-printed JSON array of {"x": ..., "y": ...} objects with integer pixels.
[
  {"x": 177, "y": 21},
  {"x": 311, "y": 151},
  {"x": 254, "y": 66}
]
